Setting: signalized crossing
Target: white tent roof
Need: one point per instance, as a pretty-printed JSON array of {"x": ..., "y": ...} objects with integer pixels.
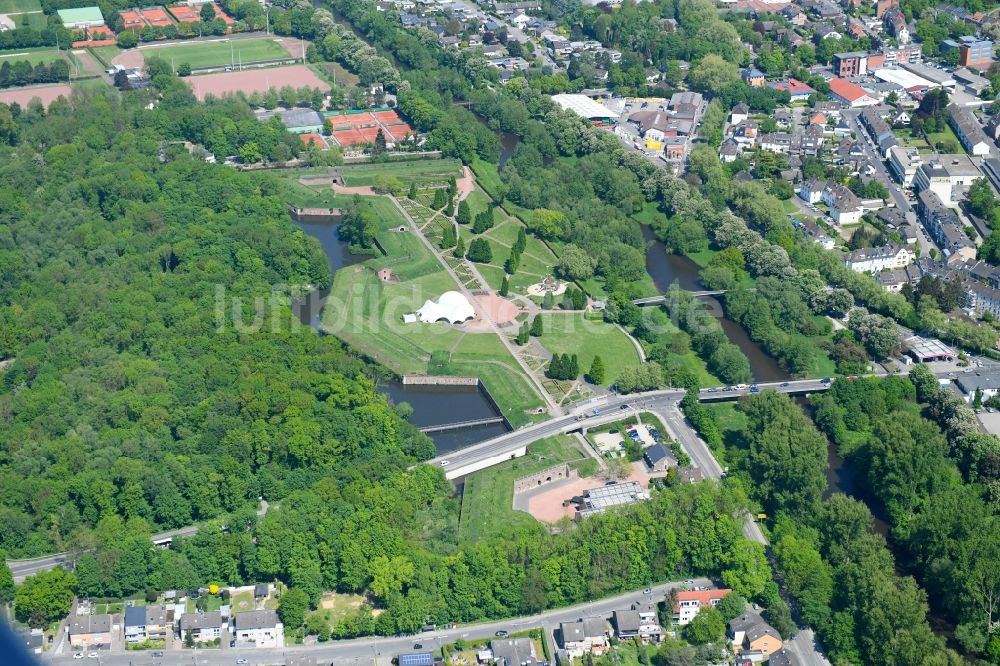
[
  {"x": 451, "y": 307},
  {"x": 583, "y": 106}
]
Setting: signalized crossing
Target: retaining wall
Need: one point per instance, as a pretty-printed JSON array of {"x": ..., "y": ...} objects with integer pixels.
[{"x": 546, "y": 476}]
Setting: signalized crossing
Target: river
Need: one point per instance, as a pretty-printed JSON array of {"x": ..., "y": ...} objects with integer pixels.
[
  {"x": 665, "y": 268},
  {"x": 432, "y": 405}
]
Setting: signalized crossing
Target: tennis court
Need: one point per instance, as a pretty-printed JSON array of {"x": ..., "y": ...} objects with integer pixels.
[
  {"x": 156, "y": 16},
  {"x": 184, "y": 14}
]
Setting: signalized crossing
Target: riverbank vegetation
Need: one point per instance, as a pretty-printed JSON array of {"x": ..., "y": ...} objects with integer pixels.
[
  {"x": 920, "y": 455},
  {"x": 837, "y": 569}
]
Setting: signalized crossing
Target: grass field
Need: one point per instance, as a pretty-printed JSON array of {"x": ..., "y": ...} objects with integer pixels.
[
  {"x": 947, "y": 134},
  {"x": 209, "y": 54},
  {"x": 487, "y": 501},
  {"x": 31, "y": 20},
  {"x": 570, "y": 333},
  {"x": 419, "y": 171},
  {"x": 34, "y": 56},
  {"x": 19, "y": 6},
  {"x": 105, "y": 53}
]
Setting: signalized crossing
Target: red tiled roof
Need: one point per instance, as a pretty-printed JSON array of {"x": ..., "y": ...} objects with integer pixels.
[
  {"x": 846, "y": 90},
  {"x": 793, "y": 86},
  {"x": 703, "y": 597}
]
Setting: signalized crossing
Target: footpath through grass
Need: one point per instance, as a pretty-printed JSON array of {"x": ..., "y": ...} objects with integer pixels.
[{"x": 488, "y": 497}]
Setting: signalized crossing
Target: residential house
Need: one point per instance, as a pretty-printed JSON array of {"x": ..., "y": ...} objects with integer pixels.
[
  {"x": 146, "y": 623},
  {"x": 90, "y": 630},
  {"x": 626, "y": 623},
  {"x": 895, "y": 24},
  {"x": 893, "y": 281},
  {"x": 587, "y": 635},
  {"x": 750, "y": 633},
  {"x": 944, "y": 227},
  {"x": 753, "y": 77},
  {"x": 798, "y": 91},
  {"x": 850, "y": 94},
  {"x": 689, "y": 602},
  {"x": 829, "y": 109},
  {"x": 659, "y": 458},
  {"x": 874, "y": 259},
  {"x": 794, "y": 15},
  {"x": 746, "y": 134},
  {"x": 845, "y": 207},
  {"x": 879, "y": 131},
  {"x": 811, "y": 191},
  {"x": 741, "y": 112},
  {"x": 204, "y": 627},
  {"x": 729, "y": 151},
  {"x": 649, "y": 621},
  {"x": 883, "y": 6},
  {"x": 782, "y": 658},
  {"x": 515, "y": 652},
  {"x": 259, "y": 628},
  {"x": 980, "y": 298},
  {"x": 811, "y": 140},
  {"x": 968, "y": 130},
  {"x": 776, "y": 142}
]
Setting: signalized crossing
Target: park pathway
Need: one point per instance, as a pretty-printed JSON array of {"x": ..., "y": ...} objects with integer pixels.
[{"x": 554, "y": 408}]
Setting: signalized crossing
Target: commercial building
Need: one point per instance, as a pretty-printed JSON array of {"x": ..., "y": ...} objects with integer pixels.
[
  {"x": 947, "y": 176},
  {"x": 689, "y": 602},
  {"x": 597, "y": 500},
  {"x": 260, "y": 629},
  {"x": 850, "y": 94},
  {"x": 81, "y": 17},
  {"x": 972, "y": 52},
  {"x": 297, "y": 120},
  {"x": 938, "y": 76},
  {"x": 585, "y": 107},
  {"x": 796, "y": 89},
  {"x": 987, "y": 382},
  {"x": 90, "y": 630},
  {"x": 926, "y": 350}
]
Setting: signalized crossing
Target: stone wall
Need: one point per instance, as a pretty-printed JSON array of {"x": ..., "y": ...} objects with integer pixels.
[{"x": 550, "y": 475}]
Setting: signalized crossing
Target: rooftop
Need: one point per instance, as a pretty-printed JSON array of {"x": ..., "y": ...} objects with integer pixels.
[
  {"x": 980, "y": 380},
  {"x": 207, "y": 620},
  {"x": 81, "y": 15},
  {"x": 926, "y": 347},
  {"x": 261, "y": 619},
  {"x": 583, "y": 106},
  {"x": 89, "y": 624}
]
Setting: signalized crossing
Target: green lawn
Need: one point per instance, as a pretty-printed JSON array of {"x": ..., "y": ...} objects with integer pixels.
[
  {"x": 731, "y": 422},
  {"x": 419, "y": 171},
  {"x": 32, "y": 20},
  {"x": 242, "y": 602},
  {"x": 573, "y": 334},
  {"x": 487, "y": 176},
  {"x": 947, "y": 134},
  {"x": 105, "y": 53},
  {"x": 34, "y": 56},
  {"x": 910, "y": 141},
  {"x": 209, "y": 54},
  {"x": 19, "y": 6},
  {"x": 212, "y": 602},
  {"x": 487, "y": 501}
]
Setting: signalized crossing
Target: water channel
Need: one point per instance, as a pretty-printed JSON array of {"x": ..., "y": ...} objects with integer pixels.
[
  {"x": 665, "y": 268},
  {"x": 432, "y": 405}
]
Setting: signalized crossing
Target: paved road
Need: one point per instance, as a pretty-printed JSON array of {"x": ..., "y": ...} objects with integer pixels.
[
  {"x": 609, "y": 408},
  {"x": 366, "y": 651},
  {"x": 895, "y": 191},
  {"x": 24, "y": 568}
]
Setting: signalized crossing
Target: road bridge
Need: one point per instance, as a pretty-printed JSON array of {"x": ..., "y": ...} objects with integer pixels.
[
  {"x": 591, "y": 414},
  {"x": 459, "y": 425}
]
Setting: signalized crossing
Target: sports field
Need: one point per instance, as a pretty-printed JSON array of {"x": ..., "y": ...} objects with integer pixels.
[
  {"x": 34, "y": 56},
  {"x": 19, "y": 6},
  {"x": 252, "y": 80},
  {"x": 217, "y": 53}
]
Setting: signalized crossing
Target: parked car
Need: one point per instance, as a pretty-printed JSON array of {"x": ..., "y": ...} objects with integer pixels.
[
  {"x": 445, "y": 463},
  {"x": 784, "y": 384},
  {"x": 242, "y": 660},
  {"x": 501, "y": 634},
  {"x": 92, "y": 655},
  {"x": 755, "y": 389},
  {"x": 156, "y": 654},
  {"x": 78, "y": 655},
  {"x": 418, "y": 646}
]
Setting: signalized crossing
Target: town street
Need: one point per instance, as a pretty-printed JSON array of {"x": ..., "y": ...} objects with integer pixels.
[{"x": 376, "y": 651}]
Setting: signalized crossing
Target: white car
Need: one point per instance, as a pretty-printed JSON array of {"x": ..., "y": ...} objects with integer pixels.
[
  {"x": 444, "y": 463},
  {"x": 78, "y": 655},
  {"x": 92, "y": 655}
]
